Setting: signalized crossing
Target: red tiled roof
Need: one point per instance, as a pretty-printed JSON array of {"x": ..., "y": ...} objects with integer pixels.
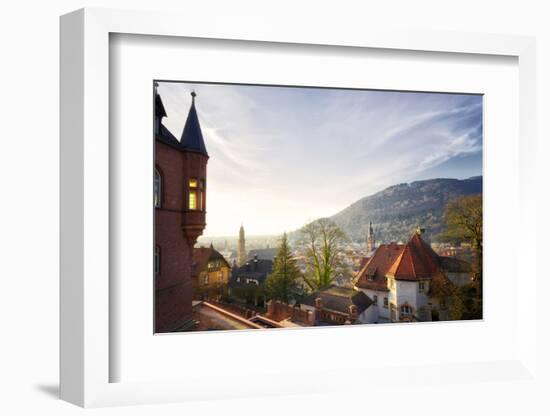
[
  {"x": 364, "y": 261},
  {"x": 373, "y": 274},
  {"x": 417, "y": 261},
  {"x": 413, "y": 261}
]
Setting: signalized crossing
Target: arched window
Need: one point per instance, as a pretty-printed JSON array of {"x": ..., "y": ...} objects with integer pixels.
[
  {"x": 157, "y": 189},
  {"x": 406, "y": 310}
]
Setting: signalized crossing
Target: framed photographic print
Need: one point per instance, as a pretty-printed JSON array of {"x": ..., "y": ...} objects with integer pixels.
[
  {"x": 252, "y": 206},
  {"x": 337, "y": 235}
]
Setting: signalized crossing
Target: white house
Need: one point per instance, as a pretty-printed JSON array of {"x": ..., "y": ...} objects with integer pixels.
[{"x": 409, "y": 282}]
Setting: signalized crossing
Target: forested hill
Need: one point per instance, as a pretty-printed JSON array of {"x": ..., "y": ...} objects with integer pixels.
[{"x": 396, "y": 211}]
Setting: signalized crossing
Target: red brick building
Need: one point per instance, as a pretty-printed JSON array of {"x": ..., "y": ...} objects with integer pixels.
[{"x": 180, "y": 209}]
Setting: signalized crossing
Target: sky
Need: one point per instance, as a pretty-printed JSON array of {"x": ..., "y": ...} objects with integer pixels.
[{"x": 281, "y": 156}]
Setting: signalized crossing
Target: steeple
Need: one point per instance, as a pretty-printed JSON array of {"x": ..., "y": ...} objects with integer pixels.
[
  {"x": 191, "y": 138},
  {"x": 241, "y": 254},
  {"x": 370, "y": 238}
]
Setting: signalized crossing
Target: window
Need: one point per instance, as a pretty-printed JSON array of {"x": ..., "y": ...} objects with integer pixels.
[
  {"x": 193, "y": 184},
  {"x": 421, "y": 286},
  {"x": 206, "y": 279},
  {"x": 157, "y": 189},
  {"x": 375, "y": 300},
  {"x": 406, "y": 310},
  {"x": 157, "y": 260},
  {"x": 386, "y": 302}
]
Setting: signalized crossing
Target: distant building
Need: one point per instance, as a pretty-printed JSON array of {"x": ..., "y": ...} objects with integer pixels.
[
  {"x": 241, "y": 256},
  {"x": 247, "y": 281},
  {"x": 336, "y": 305},
  {"x": 180, "y": 209},
  {"x": 410, "y": 282},
  {"x": 370, "y": 239},
  {"x": 211, "y": 273}
]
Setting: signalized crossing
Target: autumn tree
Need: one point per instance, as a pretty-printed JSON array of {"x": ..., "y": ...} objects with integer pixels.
[
  {"x": 464, "y": 221},
  {"x": 284, "y": 281},
  {"x": 324, "y": 242}
]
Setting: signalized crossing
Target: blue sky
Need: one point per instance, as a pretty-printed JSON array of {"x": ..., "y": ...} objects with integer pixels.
[{"x": 280, "y": 157}]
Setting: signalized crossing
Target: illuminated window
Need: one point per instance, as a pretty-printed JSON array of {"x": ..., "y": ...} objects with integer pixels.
[
  {"x": 206, "y": 279},
  {"x": 193, "y": 200},
  {"x": 157, "y": 188},
  {"x": 193, "y": 184}
]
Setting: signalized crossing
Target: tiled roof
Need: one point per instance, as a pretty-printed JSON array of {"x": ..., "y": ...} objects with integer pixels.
[
  {"x": 191, "y": 138},
  {"x": 373, "y": 274},
  {"x": 254, "y": 269},
  {"x": 263, "y": 253},
  {"x": 413, "y": 261},
  {"x": 339, "y": 299},
  {"x": 417, "y": 261},
  {"x": 167, "y": 138}
]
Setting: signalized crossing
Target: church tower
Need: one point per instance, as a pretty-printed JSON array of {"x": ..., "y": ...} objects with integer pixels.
[
  {"x": 242, "y": 248},
  {"x": 370, "y": 239}
]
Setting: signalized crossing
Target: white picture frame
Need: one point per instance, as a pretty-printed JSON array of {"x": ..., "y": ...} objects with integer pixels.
[{"x": 86, "y": 355}]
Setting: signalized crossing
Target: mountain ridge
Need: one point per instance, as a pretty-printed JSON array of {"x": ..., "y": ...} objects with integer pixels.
[{"x": 399, "y": 209}]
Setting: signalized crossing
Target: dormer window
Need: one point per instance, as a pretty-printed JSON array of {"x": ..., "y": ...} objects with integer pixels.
[{"x": 157, "y": 189}]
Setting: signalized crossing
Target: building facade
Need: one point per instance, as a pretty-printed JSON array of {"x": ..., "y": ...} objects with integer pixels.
[
  {"x": 211, "y": 273},
  {"x": 248, "y": 281},
  {"x": 180, "y": 207},
  {"x": 410, "y": 282}
]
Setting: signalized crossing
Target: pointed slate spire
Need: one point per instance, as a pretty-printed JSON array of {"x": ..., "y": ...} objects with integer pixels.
[{"x": 191, "y": 138}]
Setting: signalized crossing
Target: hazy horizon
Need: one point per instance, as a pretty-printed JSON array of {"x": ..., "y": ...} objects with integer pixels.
[{"x": 281, "y": 157}]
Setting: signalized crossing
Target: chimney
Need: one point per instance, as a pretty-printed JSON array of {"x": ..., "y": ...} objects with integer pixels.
[{"x": 318, "y": 302}]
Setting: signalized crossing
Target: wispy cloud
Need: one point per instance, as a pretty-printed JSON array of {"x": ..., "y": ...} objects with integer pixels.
[{"x": 281, "y": 156}]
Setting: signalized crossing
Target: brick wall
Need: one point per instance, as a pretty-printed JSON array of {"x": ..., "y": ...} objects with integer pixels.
[
  {"x": 279, "y": 311},
  {"x": 176, "y": 231}
]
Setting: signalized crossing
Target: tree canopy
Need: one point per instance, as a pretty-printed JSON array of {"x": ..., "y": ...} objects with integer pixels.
[
  {"x": 324, "y": 243},
  {"x": 284, "y": 281}
]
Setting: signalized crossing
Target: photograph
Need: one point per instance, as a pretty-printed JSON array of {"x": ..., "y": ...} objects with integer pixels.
[{"x": 282, "y": 206}]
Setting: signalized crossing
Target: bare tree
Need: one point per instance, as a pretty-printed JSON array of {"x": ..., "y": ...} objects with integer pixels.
[{"x": 324, "y": 242}]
